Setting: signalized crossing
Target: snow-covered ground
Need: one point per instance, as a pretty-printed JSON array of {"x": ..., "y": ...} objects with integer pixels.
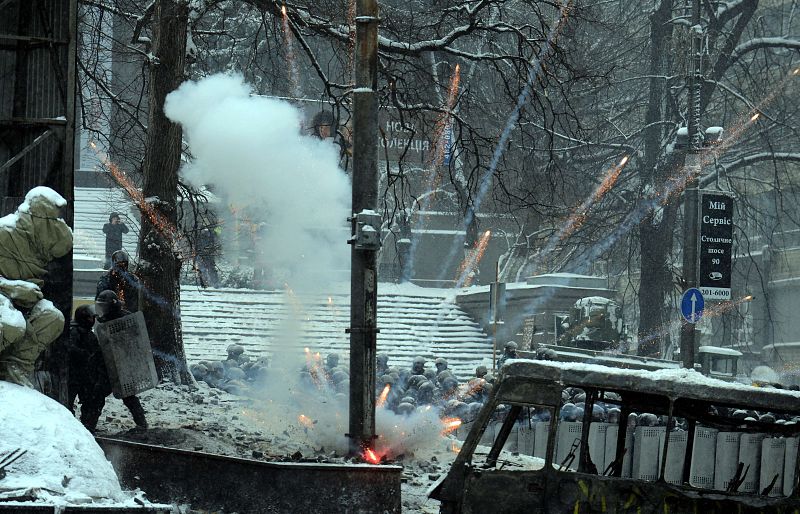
[
  {"x": 211, "y": 420},
  {"x": 57, "y": 461},
  {"x": 284, "y": 423}
]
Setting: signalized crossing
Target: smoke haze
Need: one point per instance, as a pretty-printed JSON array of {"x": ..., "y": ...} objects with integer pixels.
[{"x": 252, "y": 152}]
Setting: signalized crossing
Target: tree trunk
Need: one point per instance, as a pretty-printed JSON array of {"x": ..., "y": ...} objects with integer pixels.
[
  {"x": 655, "y": 236},
  {"x": 159, "y": 264}
]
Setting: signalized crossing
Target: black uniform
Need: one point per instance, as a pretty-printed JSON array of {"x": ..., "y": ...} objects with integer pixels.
[
  {"x": 124, "y": 283},
  {"x": 88, "y": 377}
]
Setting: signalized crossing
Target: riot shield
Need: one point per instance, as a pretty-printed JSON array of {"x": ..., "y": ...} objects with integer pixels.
[{"x": 127, "y": 354}]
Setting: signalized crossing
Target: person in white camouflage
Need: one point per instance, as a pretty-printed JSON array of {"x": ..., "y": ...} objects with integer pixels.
[{"x": 30, "y": 238}]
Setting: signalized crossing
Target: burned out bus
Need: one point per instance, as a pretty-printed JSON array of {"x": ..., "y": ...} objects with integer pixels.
[{"x": 575, "y": 437}]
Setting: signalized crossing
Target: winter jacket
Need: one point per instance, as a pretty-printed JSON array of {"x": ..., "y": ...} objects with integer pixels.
[
  {"x": 113, "y": 234},
  {"x": 125, "y": 284},
  {"x": 86, "y": 364}
]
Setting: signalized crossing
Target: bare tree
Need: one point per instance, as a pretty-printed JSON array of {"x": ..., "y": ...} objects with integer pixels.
[
  {"x": 545, "y": 100},
  {"x": 159, "y": 262}
]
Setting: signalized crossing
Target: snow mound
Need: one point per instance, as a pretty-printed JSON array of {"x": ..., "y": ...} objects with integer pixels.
[{"x": 63, "y": 463}]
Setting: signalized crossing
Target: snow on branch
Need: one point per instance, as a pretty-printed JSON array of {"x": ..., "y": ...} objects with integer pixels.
[
  {"x": 749, "y": 160},
  {"x": 765, "y": 42}
]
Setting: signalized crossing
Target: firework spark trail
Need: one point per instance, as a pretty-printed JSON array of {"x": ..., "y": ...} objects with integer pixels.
[
  {"x": 384, "y": 394},
  {"x": 163, "y": 226},
  {"x": 580, "y": 214},
  {"x": 709, "y": 312},
  {"x": 159, "y": 222},
  {"x": 444, "y": 122},
  {"x": 738, "y": 128},
  {"x": 676, "y": 183},
  {"x": 450, "y": 424},
  {"x": 471, "y": 260},
  {"x": 442, "y": 125},
  {"x": 524, "y": 95},
  {"x": 291, "y": 61}
]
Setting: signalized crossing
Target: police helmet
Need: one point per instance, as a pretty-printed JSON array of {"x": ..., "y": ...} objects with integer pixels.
[
  {"x": 84, "y": 316},
  {"x": 107, "y": 303},
  {"x": 235, "y": 350},
  {"x": 120, "y": 259}
]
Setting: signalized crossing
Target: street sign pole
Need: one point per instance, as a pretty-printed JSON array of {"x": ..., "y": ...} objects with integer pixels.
[{"x": 690, "y": 243}]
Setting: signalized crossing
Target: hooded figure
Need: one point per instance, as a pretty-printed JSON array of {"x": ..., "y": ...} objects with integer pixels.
[{"x": 29, "y": 239}]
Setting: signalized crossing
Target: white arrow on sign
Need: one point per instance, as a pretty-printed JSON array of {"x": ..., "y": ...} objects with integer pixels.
[{"x": 694, "y": 303}]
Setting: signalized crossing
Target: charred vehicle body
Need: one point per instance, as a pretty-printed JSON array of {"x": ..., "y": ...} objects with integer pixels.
[{"x": 569, "y": 437}]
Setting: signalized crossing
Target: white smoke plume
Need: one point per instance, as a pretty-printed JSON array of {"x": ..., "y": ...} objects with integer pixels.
[{"x": 253, "y": 154}]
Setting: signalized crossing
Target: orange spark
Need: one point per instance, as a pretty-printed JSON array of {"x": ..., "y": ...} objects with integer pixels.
[
  {"x": 608, "y": 182},
  {"x": 443, "y": 124},
  {"x": 305, "y": 421},
  {"x": 471, "y": 387},
  {"x": 316, "y": 369},
  {"x": 472, "y": 259},
  {"x": 371, "y": 457},
  {"x": 159, "y": 222},
  {"x": 450, "y": 424},
  {"x": 454, "y": 447},
  {"x": 755, "y": 117},
  {"x": 384, "y": 394},
  {"x": 283, "y": 10}
]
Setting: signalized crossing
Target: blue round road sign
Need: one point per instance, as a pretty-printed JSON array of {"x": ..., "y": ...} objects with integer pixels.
[{"x": 692, "y": 304}]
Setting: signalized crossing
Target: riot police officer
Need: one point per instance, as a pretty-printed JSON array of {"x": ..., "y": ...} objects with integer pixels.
[
  {"x": 509, "y": 352},
  {"x": 108, "y": 308}
]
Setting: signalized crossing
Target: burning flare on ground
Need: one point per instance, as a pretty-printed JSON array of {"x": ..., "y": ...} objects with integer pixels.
[
  {"x": 371, "y": 457},
  {"x": 305, "y": 421},
  {"x": 450, "y": 424}
]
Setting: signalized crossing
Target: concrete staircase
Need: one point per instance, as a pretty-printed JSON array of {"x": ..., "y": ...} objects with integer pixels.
[
  {"x": 412, "y": 322},
  {"x": 269, "y": 322}
]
